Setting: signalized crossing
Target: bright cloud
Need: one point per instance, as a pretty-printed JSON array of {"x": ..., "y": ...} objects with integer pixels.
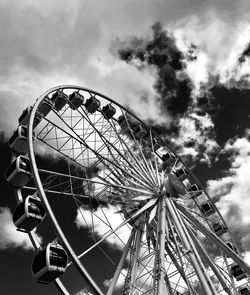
[
  {"x": 9, "y": 236},
  {"x": 196, "y": 136},
  {"x": 210, "y": 34},
  {"x": 120, "y": 281},
  {"x": 235, "y": 188},
  {"x": 104, "y": 219}
]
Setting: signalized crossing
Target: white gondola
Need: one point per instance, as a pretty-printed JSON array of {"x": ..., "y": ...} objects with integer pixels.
[
  {"x": 108, "y": 111},
  {"x": 45, "y": 106},
  {"x": 92, "y": 104},
  {"x": 49, "y": 263},
  {"x": 18, "y": 142},
  {"x": 19, "y": 172},
  {"x": 59, "y": 99},
  {"x": 207, "y": 208},
  {"x": 182, "y": 173},
  {"x": 139, "y": 132},
  {"x": 76, "y": 100},
  {"x": 124, "y": 122},
  {"x": 244, "y": 290},
  {"x": 24, "y": 118},
  {"x": 168, "y": 158},
  {"x": 29, "y": 214},
  {"x": 195, "y": 190},
  {"x": 237, "y": 272},
  {"x": 219, "y": 228}
]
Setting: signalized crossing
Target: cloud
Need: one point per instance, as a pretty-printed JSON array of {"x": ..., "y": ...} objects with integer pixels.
[
  {"x": 204, "y": 34},
  {"x": 9, "y": 236},
  {"x": 120, "y": 281},
  {"x": 232, "y": 191},
  {"x": 196, "y": 136},
  {"x": 104, "y": 219}
]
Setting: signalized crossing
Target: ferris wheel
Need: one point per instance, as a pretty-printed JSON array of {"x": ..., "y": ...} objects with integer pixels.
[{"x": 114, "y": 203}]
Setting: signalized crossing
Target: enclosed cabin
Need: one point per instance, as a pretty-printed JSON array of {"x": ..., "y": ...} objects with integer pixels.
[
  {"x": 76, "y": 100},
  {"x": 237, "y": 272},
  {"x": 244, "y": 290},
  {"x": 153, "y": 143},
  {"x": 19, "y": 172},
  {"x": 18, "y": 142},
  {"x": 45, "y": 106},
  {"x": 49, "y": 263},
  {"x": 25, "y": 116},
  {"x": 92, "y": 104},
  {"x": 29, "y": 214},
  {"x": 59, "y": 99},
  {"x": 139, "y": 132},
  {"x": 108, "y": 111},
  {"x": 219, "y": 228},
  {"x": 124, "y": 121},
  {"x": 168, "y": 159},
  {"x": 182, "y": 174},
  {"x": 195, "y": 190},
  {"x": 207, "y": 208}
]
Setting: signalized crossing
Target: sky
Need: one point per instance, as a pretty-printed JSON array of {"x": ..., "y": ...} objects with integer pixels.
[{"x": 181, "y": 66}]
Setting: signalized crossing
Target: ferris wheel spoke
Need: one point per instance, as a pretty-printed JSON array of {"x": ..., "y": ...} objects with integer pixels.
[
  {"x": 92, "y": 181},
  {"x": 91, "y": 230},
  {"x": 214, "y": 238},
  {"x": 112, "y": 231},
  {"x": 212, "y": 265},
  {"x": 180, "y": 269},
  {"x": 115, "y": 158},
  {"x": 198, "y": 266},
  {"x": 103, "y": 159},
  {"x": 141, "y": 164},
  {"x": 178, "y": 252}
]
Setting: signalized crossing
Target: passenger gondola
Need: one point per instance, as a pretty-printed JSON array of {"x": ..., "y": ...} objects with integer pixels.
[
  {"x": 18, "y": 142},
  {"x": 29, "y": 214},
  {"x": 76, "y": 100},
  {"x": 125, "y": 121},
  {"x": 219, "y": 228},
  {"x": 108, "y": 111},
  {"x": 207, "y": 208},
  {"x": 45, "y": 106},
  {"x": 139, "y": 132},
  {"x": 49, "y": 263},
  {"x": 244, "y": 290},
  {"x": 195, "y": 190},
  {"x": 92, "y": 104},
  {"x": 168, "y": 158},
  {"x": 237, "y": 272},
  {"x": 182, "y": 173},
  {"x": 19, "y": 172},
  {"x": 24, "y": 118},
  {"x": 59, "y": 99}
]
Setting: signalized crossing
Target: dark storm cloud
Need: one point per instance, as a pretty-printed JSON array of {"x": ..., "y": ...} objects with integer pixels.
[{"x": 160, "y": 53}]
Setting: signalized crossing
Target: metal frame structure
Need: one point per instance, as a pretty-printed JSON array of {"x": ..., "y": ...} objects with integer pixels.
[{"x": 178, "y": 243}]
